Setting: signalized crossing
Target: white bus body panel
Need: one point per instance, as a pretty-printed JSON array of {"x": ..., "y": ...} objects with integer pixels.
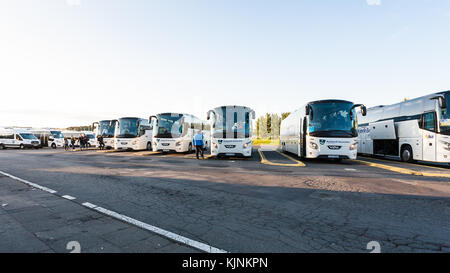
[
  {"x": 136, "y": 143},
  {"x": 382, "y": 130}
]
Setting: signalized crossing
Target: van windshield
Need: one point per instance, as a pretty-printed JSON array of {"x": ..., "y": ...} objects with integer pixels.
[{"x": 28, "y": 136}]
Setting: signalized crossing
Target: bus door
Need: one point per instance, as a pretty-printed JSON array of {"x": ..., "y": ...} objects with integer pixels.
[{"x": 429, "y": 136}]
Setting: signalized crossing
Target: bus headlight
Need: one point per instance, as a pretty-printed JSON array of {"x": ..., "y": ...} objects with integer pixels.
[
  {"x": 352, "y": 146},
  {"x": 313, "y": 145},
  {"x": 214, "y": 145},
  {"x": 178, "y": 143},
  {"x": 245, "y": 146},
  {"x": 134, "y": 142}
]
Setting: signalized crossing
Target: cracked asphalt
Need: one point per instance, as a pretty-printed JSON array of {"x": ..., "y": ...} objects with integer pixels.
[{"x": 245, "y": 206}]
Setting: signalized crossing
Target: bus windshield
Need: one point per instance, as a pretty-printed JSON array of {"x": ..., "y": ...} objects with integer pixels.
[
  {"x": 28, "y": 136},
  {"x": 57, "y": 134},
  {"x": 444, "y": 123},
  {"x": 106, "y": 128},
  {"x": 231, "y": 122},
  {"x": 332, "y": 119},
  {"x": 128, "y": 128},
  {"x": 169, "y": 126}
]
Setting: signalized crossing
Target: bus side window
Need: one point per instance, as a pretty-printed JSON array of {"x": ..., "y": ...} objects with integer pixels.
[{"x": 429, "y": 122}]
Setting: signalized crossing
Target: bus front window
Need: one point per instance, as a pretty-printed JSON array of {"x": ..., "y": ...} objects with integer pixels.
[
  {"x": 169, "y": 126},
  {"x": 332, "y": 119},
  {"x": 128, "y": 128},
  {"x": 57, "y": 134},
  {"x": 106, "y": 128},
  {"x": 444, "y": 122}
]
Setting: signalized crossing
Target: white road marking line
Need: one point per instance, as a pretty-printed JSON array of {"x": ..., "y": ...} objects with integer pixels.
[
  {"x": 68, "y": 197},
  {"x": 350, "y": 169},
  {"x": 162, "y": 232},
  {"x": 165, "y": 233},
  {"x": 89, "y": 205},
  {"x": 29, "y": 183}
]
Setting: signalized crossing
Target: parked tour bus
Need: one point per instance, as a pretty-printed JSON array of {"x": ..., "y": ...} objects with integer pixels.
[
  {"x": 322, "y": 129},
  {"x": 231, "y": 130},
  {"x": 133, "y": 133},
  {"x": 106, "y": 129},
  {"x": 17, "y": 138},
  {"x": 417, "y": 129},
  {"x": 175, "y": 132},
  {"x": 49, "y": 137}
]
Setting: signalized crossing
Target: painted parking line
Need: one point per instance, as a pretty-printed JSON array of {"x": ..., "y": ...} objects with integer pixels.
[
  {"x": 162, "y": 232},
  {"x": 406, "y": 163},
  {"x": 68, "y": 197},
  {"x": 34, "y": 185},
  {"x": 267, "y": 162},
  {"x": 403, "y": 170}
]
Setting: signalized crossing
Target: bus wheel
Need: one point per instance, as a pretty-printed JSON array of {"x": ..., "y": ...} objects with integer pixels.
[
  {"x": 53, "y": 145},
  {"x": 190, "y": 148},
  {"x": 406, "y": 154},
  {"x": 149, "y": 146}
]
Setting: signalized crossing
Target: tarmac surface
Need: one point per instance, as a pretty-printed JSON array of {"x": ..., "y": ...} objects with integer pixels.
[{"x": 269, "y": 203}]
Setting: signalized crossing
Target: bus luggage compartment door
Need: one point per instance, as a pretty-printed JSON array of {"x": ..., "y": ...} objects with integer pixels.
[{"x": 382, "y": 130}]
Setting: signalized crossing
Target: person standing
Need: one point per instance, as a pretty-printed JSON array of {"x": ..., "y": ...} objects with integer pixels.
[{"x": 199, "y": 143}]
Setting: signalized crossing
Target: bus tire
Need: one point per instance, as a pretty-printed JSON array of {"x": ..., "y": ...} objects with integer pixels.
[
  {"x": 149, "y": 146},
  {"x": 406, "y": 153},
  {"x": 190, "y": 148},
  {"x": 53, "y": 145}
]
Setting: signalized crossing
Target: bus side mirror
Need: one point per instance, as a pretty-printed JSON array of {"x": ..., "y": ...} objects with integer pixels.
[
  {"x": 442, "y": 101},
  {"x": 363, "y": 110},
  {"x": 152, "y": 117},
  {"x": 253, "y": 114},
  {"x": 111, "y": 122}
]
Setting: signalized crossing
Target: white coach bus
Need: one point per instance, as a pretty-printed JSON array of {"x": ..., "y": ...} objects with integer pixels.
[
  {"x": 175, "y": 132},
  {"x": 133, "y": 133},
  {"x": 18, "y": 138},
  {"x": 417, "y": 129},
  {"x": 231, "y": 130},
  {"x": 322, "y": 129},
  {"x": 49, "y": 137},
  {"x": 105, "y": 128}
]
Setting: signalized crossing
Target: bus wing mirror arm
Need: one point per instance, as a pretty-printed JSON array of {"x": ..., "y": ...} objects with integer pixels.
[
  {"x": 442, "y": 101},
  {"x": 208, "y": 115},
  {"x": 152, "y": 117},
  {"x": 363, "y": 108}
]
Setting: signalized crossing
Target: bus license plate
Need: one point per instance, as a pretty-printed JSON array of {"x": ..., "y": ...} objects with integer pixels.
[
  {"x": 229, "y": 154},
  {"x": 333, "y": 156},
  {"x": 166, "y": 150}
]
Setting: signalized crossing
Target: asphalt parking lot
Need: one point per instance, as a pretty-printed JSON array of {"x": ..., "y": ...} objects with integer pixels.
[{"x": 269, "y": 203}]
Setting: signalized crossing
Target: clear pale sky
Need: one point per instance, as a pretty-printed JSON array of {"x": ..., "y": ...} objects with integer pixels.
[{"x": 71, "y": 62}]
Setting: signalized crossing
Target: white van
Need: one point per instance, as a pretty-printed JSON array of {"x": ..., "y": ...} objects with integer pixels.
[{"x": 18, "y": 138}]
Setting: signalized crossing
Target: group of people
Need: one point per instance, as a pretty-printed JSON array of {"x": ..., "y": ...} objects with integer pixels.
[{"x": 83, "y": 141}]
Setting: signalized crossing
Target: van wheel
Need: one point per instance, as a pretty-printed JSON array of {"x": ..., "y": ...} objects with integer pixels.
[
  {"x": 2, "y": 147},
  {"x": 406, "y": 154},
  {"x": 149, "y": 146},
  {"x": 53, "y": 145},
  {"x": 21, "y": 146}
]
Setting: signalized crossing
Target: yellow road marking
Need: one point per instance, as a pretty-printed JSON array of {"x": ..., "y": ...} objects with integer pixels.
[
  {"x": 402, "y": 170},
  {"x": 267, "y": 162},
  {"x": 412, "y": 164}
]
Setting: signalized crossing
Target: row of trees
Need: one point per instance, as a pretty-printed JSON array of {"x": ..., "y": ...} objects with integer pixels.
[{"x": 268, "y": 125}]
